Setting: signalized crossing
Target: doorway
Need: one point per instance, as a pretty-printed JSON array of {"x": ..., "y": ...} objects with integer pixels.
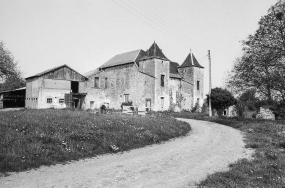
[
  {"x": 74, "y": 87},
  {"x": 148, "y": 104}
]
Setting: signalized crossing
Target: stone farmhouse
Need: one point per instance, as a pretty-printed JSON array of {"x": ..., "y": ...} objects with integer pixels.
[{"x": 146, "y": 78}]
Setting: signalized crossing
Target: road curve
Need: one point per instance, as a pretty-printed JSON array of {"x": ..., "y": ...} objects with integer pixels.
[{"x": 181, "y": 162}]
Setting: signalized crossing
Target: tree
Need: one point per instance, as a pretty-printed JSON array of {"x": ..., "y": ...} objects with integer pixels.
[
  {"x": 221, "y": 99},
  {"x": 262, "y": 65},
  {"x": 12, "y": 82},
  {"x": 247, "y": 101},
  {"x": 9, "y": 71}
]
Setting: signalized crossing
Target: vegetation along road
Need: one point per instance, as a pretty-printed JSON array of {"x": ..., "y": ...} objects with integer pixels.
[{"x": 181, "y": 162}]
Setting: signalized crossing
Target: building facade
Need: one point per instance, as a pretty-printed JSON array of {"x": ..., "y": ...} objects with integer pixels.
[
  {"x": 148, "y": 79},
  {"x": 59, "y": 87}
]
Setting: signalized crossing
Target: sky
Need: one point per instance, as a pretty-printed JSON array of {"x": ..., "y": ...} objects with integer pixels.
[{"x": 84, "y": 34}]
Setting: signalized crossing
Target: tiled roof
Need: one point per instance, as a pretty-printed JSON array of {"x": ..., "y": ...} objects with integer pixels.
[
  {"x": 91, "y": 73},
  {"x": 50, "y": 70},
  {"x": 173, "y": 70},
  {"x": 171, "y": 75},
  {"x": 124, "y": 58},
  {"x": 188, "y": 62},
  {"x": 154, "y": 52}
]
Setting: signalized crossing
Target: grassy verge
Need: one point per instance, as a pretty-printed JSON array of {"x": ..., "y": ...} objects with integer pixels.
[
  {"x": 266, "y": 169},
  {"x": 31, "y": 138}
]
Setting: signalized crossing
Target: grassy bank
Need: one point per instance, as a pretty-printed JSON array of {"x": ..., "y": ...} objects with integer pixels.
[
  {"x": 266, "y": 169},
  {"x": 31, "y": 138}
]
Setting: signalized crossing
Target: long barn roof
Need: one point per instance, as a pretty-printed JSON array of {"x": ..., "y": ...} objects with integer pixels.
[{"x": 52, "y": 69}]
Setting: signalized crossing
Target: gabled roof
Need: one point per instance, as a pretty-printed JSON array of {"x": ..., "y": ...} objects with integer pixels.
[
  {"x": 124, "y": 58},
  {"x": 154, "y": 52},
  {"x": 188, "y": 62},
  {"x": 52, "y": 69}
]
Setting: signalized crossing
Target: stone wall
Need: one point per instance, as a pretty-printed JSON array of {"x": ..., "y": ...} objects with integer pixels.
[
  {"x": 175, "y": 94},
  {"x": 265, "y": 113},
  {"x": 121, "y": 80},
  {"x": 161, "y": 98},
  {"x": 198, "y": 94}
]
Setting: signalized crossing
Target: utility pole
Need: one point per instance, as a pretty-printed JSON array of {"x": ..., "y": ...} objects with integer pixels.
[{"x": 210, "y": 84}]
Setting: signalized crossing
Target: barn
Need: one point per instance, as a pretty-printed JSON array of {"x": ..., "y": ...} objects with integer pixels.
[
  {"x": 13, "y": 98},
  {"x": 59, "y": 87}
]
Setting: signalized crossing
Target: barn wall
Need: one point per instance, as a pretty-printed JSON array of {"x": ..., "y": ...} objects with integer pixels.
[
  {"x": 54, "y": 89},
  {"x": 64, "y": 73},
  {"x": 32, "y": 93}
]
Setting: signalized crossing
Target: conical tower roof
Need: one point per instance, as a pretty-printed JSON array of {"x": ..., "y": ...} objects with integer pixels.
[
  {"x": 154, "y": 52},
  {"x": 188, "y": 62}
]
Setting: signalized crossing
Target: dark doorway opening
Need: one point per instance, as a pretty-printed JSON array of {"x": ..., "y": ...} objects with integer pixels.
[{"x": 74, "y": 86}]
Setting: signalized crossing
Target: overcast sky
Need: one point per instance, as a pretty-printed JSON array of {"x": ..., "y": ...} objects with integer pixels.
[{"x": 84, "y": 34}]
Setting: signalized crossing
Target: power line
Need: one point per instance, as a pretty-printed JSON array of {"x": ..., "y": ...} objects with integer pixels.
[
  {"x": 162, "y": 21},
  {"x": 150, "y": 22}
]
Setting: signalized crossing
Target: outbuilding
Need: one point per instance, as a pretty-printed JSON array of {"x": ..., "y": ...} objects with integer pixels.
[
  {"x": 59, "y": 87},
  {"x": 13, "y": 98}
]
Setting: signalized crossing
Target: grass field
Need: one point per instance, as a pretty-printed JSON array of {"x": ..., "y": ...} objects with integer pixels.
[
  {"x": 31, "y": 138},
  {"x": 266, "y": 169}
]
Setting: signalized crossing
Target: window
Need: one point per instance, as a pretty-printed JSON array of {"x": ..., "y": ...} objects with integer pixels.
[
  {"x": 148, "y": 104},
  {"x": 198, "y": 85},
  {"x": 49, "y": 100},
  {"x": 106, "y": 82},
  {"x": 162, "y": 81},
  {"x": 126, "y": 97},
  {"x": 162, "y": 101},
  {"x": 91, "y": 104},
  {"x": 61, "y": 101},
  {"x": 96, "y": 82}
]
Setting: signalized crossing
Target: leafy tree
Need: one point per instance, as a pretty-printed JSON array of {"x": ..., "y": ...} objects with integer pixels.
[
  {"x": 262, "y": 65},
  {"x": 10, "y": 74},
  {"x": 12, "y": 82},
  {"x": 221, "y": 99},
  {"x": 247, "y": 101}
]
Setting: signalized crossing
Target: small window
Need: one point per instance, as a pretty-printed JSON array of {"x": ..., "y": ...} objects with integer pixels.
[
  {"x": 49, "y": 100},
  {"x": 96, "y": 82},
  {"x": 162, "y": 80},
  {"x": 126, "y": 97},
  {"x": 61, "y": 101},
  {"x": 106, "y": 82},
  {"x": 162, "y": 101},
  {"x": 198, "y": 85}
]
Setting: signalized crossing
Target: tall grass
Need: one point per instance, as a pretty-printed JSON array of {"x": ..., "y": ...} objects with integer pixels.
[{"x": 30, "y": 138}]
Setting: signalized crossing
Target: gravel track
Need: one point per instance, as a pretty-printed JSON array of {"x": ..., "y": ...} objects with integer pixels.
[{"x": 181, "y": 162}]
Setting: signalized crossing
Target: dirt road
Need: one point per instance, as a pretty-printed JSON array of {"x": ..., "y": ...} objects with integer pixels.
[{"x": 180, "y": 162}]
